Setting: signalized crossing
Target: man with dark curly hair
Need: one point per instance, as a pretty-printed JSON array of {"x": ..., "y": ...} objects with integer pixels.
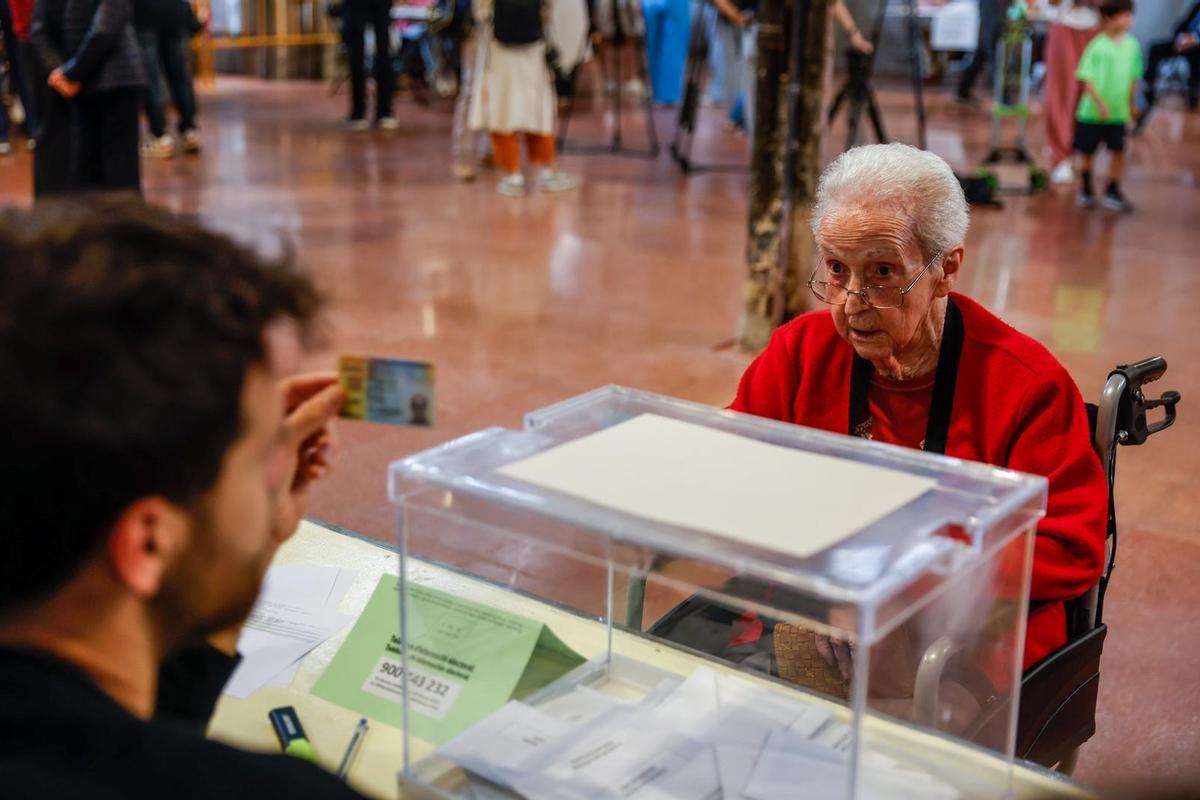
[{"x": 158, "y": 454}]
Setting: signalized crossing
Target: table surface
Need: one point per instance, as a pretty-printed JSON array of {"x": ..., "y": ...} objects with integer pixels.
[{"x": 243, "y": 722}]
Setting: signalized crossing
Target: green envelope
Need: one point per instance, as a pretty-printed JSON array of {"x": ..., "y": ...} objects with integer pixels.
[{"x": 466, "y": 661}]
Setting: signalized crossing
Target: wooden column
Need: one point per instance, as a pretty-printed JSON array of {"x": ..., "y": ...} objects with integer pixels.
[{"x": 775, "y": 288}]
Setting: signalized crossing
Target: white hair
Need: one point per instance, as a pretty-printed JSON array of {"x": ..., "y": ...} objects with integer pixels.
[{"x": 917, "y": 184}]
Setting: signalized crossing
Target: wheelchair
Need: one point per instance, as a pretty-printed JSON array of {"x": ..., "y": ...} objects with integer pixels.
[{"x": 1057, "y": 712}]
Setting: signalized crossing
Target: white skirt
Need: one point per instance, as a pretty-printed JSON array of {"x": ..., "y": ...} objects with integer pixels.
[{"x": 514, "y": 90}]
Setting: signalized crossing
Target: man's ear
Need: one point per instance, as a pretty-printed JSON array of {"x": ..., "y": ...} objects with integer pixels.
[
  {"x": 145, "y": 542},
  {"x": 951, "y": 262}
]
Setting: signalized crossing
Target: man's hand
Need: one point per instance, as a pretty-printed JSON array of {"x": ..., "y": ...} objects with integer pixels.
[
  {"x": 310, "y": 402},
  {"x": 1185, "y": 42},
  {"x": 62, "y": 84},
  {"x": 1102, "y": 107},
  {"x": 837, "y": 653}
]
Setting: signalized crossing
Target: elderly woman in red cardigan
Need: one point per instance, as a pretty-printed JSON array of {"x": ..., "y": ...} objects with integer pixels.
[{"x": 899, "y": 357}]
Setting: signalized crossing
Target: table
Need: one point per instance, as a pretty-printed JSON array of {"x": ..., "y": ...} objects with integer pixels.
[{"x": 243, "y": 722}]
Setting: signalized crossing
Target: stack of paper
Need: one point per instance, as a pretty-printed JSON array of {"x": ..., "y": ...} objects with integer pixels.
[
  {"x": 295, "y": 612},
  {"x": 708, "y": 737}
]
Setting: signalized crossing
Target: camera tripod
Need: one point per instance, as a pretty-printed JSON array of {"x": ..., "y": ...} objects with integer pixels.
[
  {"x": 694, "y": 73},
  {"x": 618, "y": 43},
  {"x": 858, "y": 95}
]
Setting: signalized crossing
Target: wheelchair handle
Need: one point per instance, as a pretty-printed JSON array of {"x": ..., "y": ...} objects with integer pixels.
[
  {"x": 1141, "y": 372},
  {"x": 1132, "y": 428}
]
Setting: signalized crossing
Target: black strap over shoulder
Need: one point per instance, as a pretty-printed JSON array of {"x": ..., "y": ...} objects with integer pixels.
[{"x": 938, "y": 427}]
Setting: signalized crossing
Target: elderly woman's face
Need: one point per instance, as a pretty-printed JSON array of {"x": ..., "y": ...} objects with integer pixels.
[{"x": 873, "y": 246}]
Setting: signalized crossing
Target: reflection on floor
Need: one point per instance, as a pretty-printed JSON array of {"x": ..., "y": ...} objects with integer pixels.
[{"x": 636, "y": 278}]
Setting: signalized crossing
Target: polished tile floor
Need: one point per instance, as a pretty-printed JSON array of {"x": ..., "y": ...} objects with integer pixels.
[{"x": 636, "y": 279}]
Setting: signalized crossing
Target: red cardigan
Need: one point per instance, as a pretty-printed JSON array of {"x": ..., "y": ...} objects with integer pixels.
[{"x": 1014, "y": 406}]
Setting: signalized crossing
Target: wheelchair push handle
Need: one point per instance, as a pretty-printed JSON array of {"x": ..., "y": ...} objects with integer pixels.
[
  {"x": 1132, "y": 424},
  {"x": 1147, "y": 370}
]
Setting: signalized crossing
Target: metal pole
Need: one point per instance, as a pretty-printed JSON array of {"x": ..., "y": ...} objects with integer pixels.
[{"x": 914, "y": 45}]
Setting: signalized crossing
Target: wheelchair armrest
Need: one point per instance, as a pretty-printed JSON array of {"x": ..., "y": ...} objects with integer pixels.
[{"x": 926, "y": 698}]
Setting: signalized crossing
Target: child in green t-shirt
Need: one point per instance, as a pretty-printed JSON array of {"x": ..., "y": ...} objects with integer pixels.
[{"x": 1110, "y": 68}]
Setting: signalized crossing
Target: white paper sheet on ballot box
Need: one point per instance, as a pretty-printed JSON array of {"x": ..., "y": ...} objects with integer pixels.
[{"x": 754, "y": 492}]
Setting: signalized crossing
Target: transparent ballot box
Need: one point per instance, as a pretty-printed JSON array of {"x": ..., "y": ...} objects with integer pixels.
[{"x": 640, "y": 597}]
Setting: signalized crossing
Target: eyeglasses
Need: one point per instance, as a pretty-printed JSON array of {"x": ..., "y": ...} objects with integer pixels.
[{"x": 877, "y": 296}]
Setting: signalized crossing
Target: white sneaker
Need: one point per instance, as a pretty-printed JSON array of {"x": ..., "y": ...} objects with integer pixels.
[
  {"x": 1064, "y": 173},
  {"x": 31, "y": 145},
  {"x": 388, "y": 123},
  {"x": 191, "y": 141},
  {"x": 355, "y": 124},
  {"x": 552, "y": 180},
  {"x": 463, "y": 172},
  {"x": 5, "y": 149},
  {"x": 511, "y": 185},
  {"x": 160, "y": 147}
]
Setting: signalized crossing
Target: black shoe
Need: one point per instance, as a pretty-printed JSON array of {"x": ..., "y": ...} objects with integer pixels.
[
  {"x": 1115, "y": 201},
  {"x": 1085, "y": 200}
]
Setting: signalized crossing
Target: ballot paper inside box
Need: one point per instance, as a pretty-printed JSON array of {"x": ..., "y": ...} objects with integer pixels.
[{"x": 758, "y": 605}]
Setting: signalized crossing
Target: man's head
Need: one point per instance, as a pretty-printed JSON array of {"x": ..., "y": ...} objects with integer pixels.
[
  {"x": 1116, "y": 15},
  {"x": 143, "y": 415}
]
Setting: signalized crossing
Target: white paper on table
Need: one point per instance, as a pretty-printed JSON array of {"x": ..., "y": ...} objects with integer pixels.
[
  {"x": 697, "y": 779},
  {"x": 295, "y": 612},
  {"x": 295, "y": 579},
  {"x": 691, "y": 705},
  {"x": 791, "y": 765},
  {"x": 811, "y": 721},
  {"x": 581, "y": 704},
  {"x": 832, "y": 734},
  {"x": 750, "y": 711},
  {"x": 505, "y": 740},
  {"x": 687, "y": 475},
  {"x": 735, "y": 765}
]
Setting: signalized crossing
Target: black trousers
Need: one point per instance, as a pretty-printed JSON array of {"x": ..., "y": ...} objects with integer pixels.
[
  {"x": 357, "y": 14},
  {"x": 52, "y": 160},
  {"x": 991, "y": 26},
  {"x": 1162, "y": 51},
  {"x": 164, "y": 52},
  {"x": 106, "y": 140}
]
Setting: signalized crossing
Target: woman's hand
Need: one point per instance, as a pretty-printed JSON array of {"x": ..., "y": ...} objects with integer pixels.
[{"x": 837, "y": 653}]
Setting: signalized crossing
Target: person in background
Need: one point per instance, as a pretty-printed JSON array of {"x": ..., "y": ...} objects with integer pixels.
[
  {"x": 991, "y": 26},
  {"x": 741, "y": 115},
  {"x": 356, "y": 15},
  {"x": 1076, "y": 24},
  {"x": 513, "y": 93},
  {"x": 15, "y": 16},
  {"x": 724, "y": 55},
  {"x": 1109, "y": 70},
  {"x": 91, "y": 53},
  {"x": 668, "y": 31},
  {"x": 1186, "y": 43},
  {"x": 464, "y": 147},
  {"x": 162, "y": 31},
  {"x": 158, "y": 475}
]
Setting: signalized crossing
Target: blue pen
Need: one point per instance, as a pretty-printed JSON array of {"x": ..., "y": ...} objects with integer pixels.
[{"x": 360, "y": 732}]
